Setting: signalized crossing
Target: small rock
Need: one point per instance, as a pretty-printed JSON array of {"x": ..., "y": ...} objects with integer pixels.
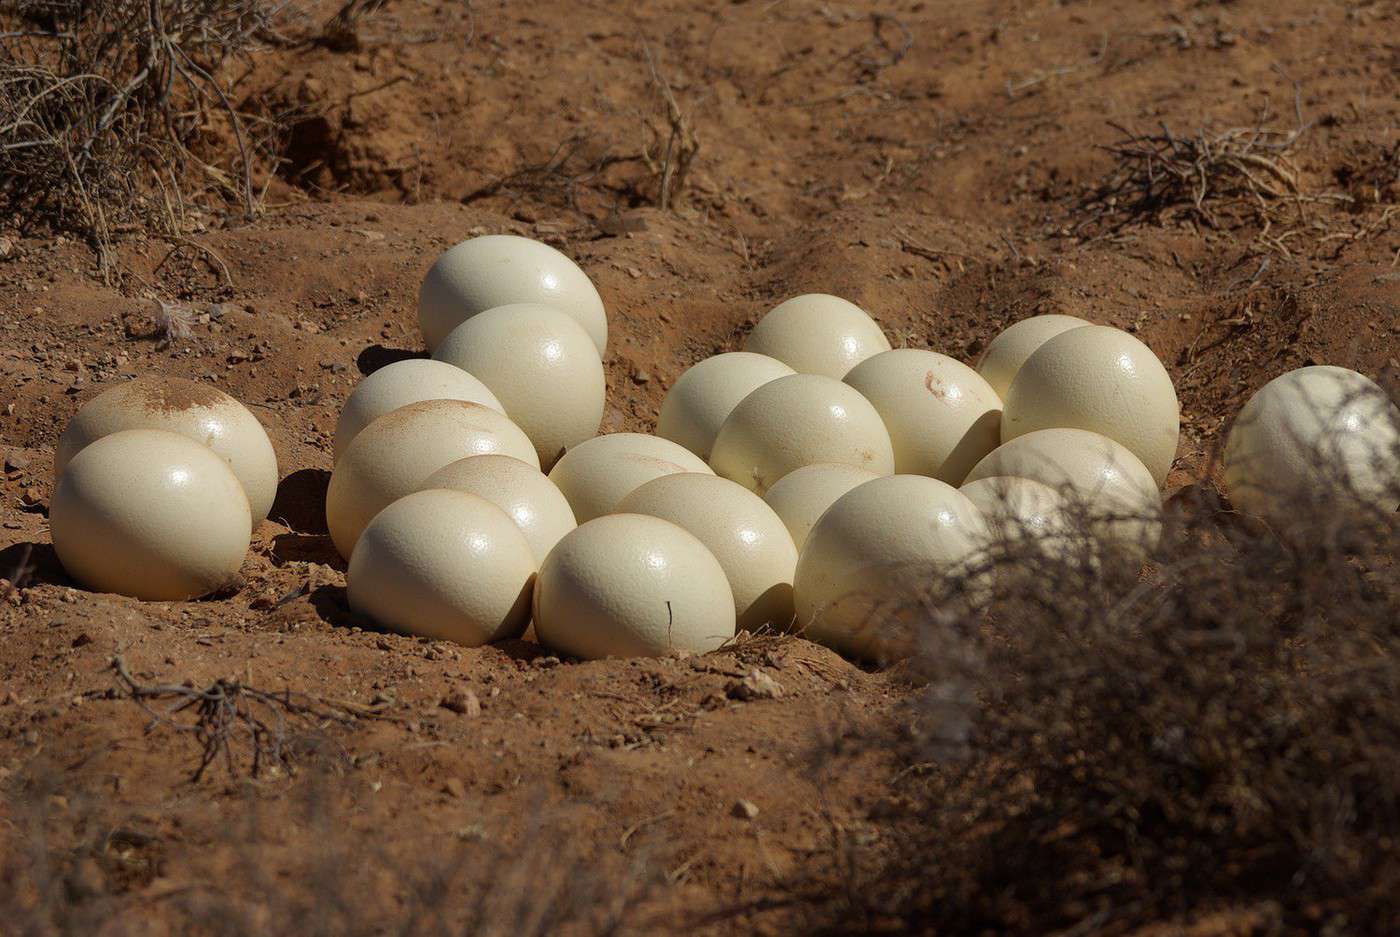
[
  {"x": 640, "y": 377},
  {"x": 453, "y": 787},
  {"x": 744, "y": 809},
  {"x": 634, "y": 273},
  {"x": 7, "y": 248},
  {"x": 464, "y": 703},
  {"x": 14, "y": 462},
  {"x": 32, "y": 496},
  {"x": 755, "y": 686},
  {"x": 82, "y": 639},
  {"x": 545, "y": 662}
]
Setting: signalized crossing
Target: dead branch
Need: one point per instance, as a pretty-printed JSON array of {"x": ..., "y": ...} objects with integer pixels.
[{"x": 227, "y": 710}]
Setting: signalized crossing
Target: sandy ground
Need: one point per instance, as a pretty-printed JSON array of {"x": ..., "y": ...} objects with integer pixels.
[{"x": 935, "y": 162}]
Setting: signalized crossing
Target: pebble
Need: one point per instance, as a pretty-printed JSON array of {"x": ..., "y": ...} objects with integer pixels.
[
  {"x": 464, "y": 703},
  {"x": 744, "y": 809},
  {"x": 755, "y": 685}
]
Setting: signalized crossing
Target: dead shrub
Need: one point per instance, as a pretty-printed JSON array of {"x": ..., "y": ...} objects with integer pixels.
[
  {"x": 1111, "y": 746},
  {"x": 110, "y": 112}
]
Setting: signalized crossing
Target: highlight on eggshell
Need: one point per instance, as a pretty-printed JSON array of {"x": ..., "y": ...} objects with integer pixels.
[
  {"x": 1322, "y": 435},
  {"x": 1013, "y": 345},
  {"x": 446, "y": 565},
  {"x": 941, "y": 415},
  {"x": 750, "y": 541},
  {"x": 630, "y": 585},
  {"x": 1100, "y": 379},
  {"x": 404, "y": 382},
  {"x": 501, "y": 269},
  {"x": 152, "y": 514},
  {"x": 598, "y": 473},
  {"x": 1101, "y": 480},
  {"x": 697, "y": 404},
  {"x": 395, "y": 455},
  {"x": 873, "y": 551},
  {"x": 525, "y": 493},
  {"x": 193, "y": 409},
  {"x": 542, "y": 367},
  {"x": 795, "y": 421},
  {"x": 801, "y": 496},
  {"x": 817, "y": 333}
]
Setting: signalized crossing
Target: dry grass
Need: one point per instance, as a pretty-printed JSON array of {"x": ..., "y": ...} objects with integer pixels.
[
  {"x": 108, "y": 111},
  {"x": 1111, "y": 746}
]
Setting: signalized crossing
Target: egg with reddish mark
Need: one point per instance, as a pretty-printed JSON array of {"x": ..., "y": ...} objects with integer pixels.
[
  {"x": 152, "y": 514},
  {"x": 395, "y": 455},
  {"x": 941, "y": 415},
  {"x": 195, "y": 410}
]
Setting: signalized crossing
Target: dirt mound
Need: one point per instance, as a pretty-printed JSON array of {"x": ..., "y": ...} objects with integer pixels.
[{"x": 941, "y": 164}]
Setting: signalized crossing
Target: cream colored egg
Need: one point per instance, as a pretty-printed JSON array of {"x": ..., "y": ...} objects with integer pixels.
[
  {"x": 697, "y": 404},
  {"x": 818, "y": 334},
  {"x": 395, "y": 455},
  {"x": 500, "y": 269},
  {"x": 749, "y": 540},
  {"x": 446, "y": 565},
  {"x": 543, "y": 368},
  {"x": 629, "y": 585},
  {"x": 1322, "y": 436},
  {"x": 803, "y": 495},
  {"x": 150, "y": 513},
  {"x": 867, "y": 558},
  {"x": 597, "y": 474},
  {"x": 534, "y": 502},
  {"x": 1103, "y": 380},
  {"x": 203, "y": 413},
  {"x": 1018, "y": 510},
  {"x": 402, "y": 383},
  {"x": 941, "y": 415},
  {"x": 1100, "y": 479},
  {"x": 1010, "y": 349},
  {"x": 796, "y": 421}
]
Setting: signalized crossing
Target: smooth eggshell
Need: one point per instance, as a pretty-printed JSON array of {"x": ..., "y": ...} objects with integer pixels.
[
  {"x": 749, "y": 540},
  {"x": 534, "y": 502},
  {"x": 941, "y": 415},
  {"x": 1320, "y": 435},
  {"x": 446, "y": 565},
  {"x": 203, "y": 413},
  {"x": 598, "y": 473},
  {"x": 152, "y": 514},
  {"x": 500, "y": 269},
  {"x": 1017, "y": 342},
  {"x": 628, "y": 585},
  {"x": 1020, "y": 509},
  {"x": 863, "y": 563},
  {"x": 394, "y": 455},
  {"x": 1100, "y": 479},
  {"x": 796, "y": 421},
  {"x": 803, "y": 495},
  {"x": 818, "y": 334},
  {"x": 543, "y": 368},
  {"x": 1103, "y": 380},
  {"x": 402, "y": 383},
  {"x": 697, "y": 404}
]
